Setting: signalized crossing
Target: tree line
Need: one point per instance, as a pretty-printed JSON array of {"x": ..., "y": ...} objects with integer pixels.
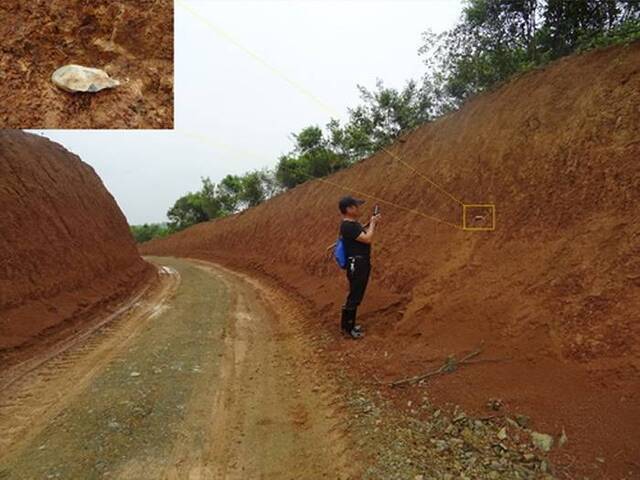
[{"x": 493, "y": 41}]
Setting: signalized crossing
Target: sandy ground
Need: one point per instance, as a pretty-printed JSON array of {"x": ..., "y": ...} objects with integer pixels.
[
  {"x": 132, "y": 40},
  {"x": 196, "y": 380}
]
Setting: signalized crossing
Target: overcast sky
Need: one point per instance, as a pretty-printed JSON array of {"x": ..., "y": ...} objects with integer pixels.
[{"x": 232, "y": 113}]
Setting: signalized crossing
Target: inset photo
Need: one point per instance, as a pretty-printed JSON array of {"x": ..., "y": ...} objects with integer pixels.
[{"x": 103, "y": 64}]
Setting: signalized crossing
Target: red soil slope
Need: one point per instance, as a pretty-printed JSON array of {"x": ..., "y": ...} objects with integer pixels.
[
  {"x": 554, "y": 291},
  {"x": 65, "y": 247},
  {"x": 131, "y": 39}
]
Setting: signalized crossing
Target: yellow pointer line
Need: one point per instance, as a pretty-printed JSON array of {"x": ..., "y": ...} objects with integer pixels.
[
  {"x": 393, "y": 204},
  {"x": 208, "y": 141},
  {"x": 255, "y": 56},
  {"x": 224, "y": 146},
  {"x": 299, "y": 87}
]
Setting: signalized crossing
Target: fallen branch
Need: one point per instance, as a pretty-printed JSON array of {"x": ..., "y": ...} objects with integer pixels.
[
  {"x": 491, "y": 417},
  {"x": 450, "y": 365}
]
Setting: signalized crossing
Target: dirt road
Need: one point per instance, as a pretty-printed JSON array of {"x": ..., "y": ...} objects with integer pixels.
[{"x": 198, "y": 379}]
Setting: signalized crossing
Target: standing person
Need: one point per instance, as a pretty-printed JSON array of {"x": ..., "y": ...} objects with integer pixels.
[{"x": 357, "y": 241}]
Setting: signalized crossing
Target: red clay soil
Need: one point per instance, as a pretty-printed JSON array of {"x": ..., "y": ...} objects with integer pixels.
[
  {"x": 130, "y": 39},
  {"x": 553, "y": 293},
  {"x": 65, "y": 247}
]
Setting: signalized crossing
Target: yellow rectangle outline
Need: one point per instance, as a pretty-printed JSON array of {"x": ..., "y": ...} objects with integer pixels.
[{"x": 492, "y": 206}]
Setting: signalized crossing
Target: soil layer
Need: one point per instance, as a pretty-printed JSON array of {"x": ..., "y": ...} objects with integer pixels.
[
  {"x": 66, "y": 253},
  {"x": 132, "y": 40},
  {"x": 551, "y": 296}
]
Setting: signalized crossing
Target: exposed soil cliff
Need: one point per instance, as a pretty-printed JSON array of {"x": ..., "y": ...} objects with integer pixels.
[
  {"x": 553, "y": 293},
  {"x": 65, "y": 248}
]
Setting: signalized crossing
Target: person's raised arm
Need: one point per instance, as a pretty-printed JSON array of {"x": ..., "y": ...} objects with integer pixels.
[{"x": 367, "y": 236}]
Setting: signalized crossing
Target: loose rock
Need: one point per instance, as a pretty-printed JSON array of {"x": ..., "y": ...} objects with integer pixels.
[
  {"x": 543, "y": 441},
  {"x": 563, "y": 438},
  {"x": 522, "y": 420},
  {"x": 79, "y": 79}
]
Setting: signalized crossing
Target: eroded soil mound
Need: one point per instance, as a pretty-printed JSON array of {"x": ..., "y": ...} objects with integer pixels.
[
  {"x": 553, "y": 294},
  {"x": 132, "y": 40},
  {"x": 65, "y": 247}
]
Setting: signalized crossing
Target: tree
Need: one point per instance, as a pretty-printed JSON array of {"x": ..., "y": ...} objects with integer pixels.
[
  {"x": 254, "y": 190},
  {"x": 290, "y": 172},
  {"x": 493, "y": 40},
  {"x": 148, "y": 231},
  {"x": 188, "y": 210},
  {"x": 308, "y": 139},
  {"x": 321, "y": 162},
  {"x": 196, "y": 207},
  {"x": 269, "y": 183},
  {"x": 211, "y": 203},
  {"x": 384, "y": 114},
  {"x": 498, "y": 38},
  {"x": 391, "y": 112},
  {"x": 312, "y": 156},
  {"x": 580, "y": 23},
  {"x": 229, "y": 192}
]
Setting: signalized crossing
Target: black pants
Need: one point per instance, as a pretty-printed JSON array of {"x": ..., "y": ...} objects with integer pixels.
[{"x": 358, "y": 270}]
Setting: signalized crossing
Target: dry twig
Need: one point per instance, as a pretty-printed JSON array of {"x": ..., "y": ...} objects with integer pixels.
[{"x": 450, "y": 365}]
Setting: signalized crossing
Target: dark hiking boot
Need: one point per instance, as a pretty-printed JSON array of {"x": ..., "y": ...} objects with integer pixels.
[
  {"x": 353, "y": 333},
  {"x": 348, "y": 320},
  {"x": 348, "y": 324},
  {"x": 345, "y": 322},
  {"x": 356, "y": 334}
]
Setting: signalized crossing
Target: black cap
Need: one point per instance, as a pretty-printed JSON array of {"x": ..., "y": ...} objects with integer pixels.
[{"x": 348, "y": 201}]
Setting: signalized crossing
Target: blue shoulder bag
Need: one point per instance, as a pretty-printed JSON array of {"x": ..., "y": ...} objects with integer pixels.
[{"x": 340, "y": 253}]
